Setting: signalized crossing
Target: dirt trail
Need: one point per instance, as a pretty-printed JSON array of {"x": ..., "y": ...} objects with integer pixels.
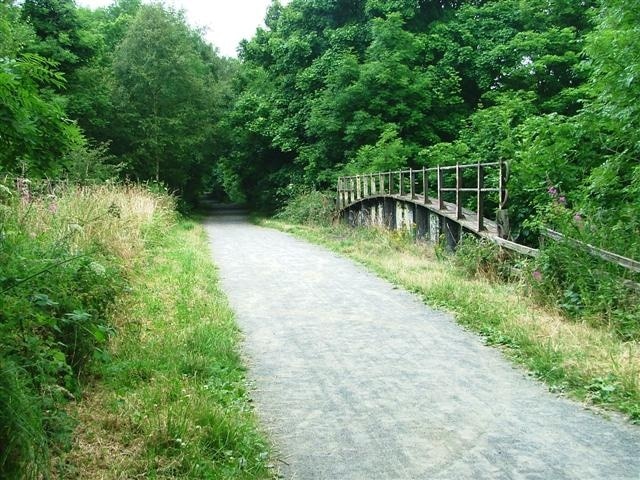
[{"x": 358, "y": 380}]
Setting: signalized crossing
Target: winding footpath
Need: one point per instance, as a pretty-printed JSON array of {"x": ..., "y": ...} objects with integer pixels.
[{"x": 355, "y": 379}]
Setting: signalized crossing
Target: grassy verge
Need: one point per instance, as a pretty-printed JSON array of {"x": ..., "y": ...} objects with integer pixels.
[
  {"x": 65, "y": 253},
  {"x": 172, "y": 401},
  {"x": 583, "y": 361}
]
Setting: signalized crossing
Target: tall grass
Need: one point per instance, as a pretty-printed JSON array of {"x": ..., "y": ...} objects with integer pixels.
[
  {"x": 173, "y": 401},
  {"x": 65, "y": 255},
  {"x": 583, "y": 285}
]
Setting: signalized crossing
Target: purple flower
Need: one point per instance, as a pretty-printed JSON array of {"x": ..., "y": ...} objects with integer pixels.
[
  {"x": 577, "y": 218},
  {"x": 562, "y": 200},
  {"x": 537, "y": 275},
  {"x": 553, "y": 191},
  {"x": 53, "y": 208}
]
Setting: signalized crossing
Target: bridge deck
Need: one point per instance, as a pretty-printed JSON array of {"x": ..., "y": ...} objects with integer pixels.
[{"x": 468, "y": 219}]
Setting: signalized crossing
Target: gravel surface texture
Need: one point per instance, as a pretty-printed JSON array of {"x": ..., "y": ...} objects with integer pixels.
[{"x": 356, "y": 379}]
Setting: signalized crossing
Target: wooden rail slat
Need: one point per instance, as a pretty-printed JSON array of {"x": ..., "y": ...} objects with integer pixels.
[
  {"x": 440, "y": 187},
  {"x": 480, "y": 199},
  {"x": 516, "y": 247},
  {"x": 352, "y": 189},
  {"x": 610, "y": 257}
]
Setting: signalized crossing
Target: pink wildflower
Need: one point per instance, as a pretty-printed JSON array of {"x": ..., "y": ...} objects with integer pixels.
[{"x": 537, "y": 275}]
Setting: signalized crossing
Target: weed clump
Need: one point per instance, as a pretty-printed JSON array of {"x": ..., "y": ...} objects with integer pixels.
[
  {"x": 481, "y": 258},
  {"x": 588, "y": 288}
]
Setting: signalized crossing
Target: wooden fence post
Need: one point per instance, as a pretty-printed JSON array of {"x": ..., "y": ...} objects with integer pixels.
[
  {"x": 412, "y": 180},
  {"x": 440, "y": 186},
  {"x": 352, "y": 190},
  {"x": 425, "y": 185},
  {"x": 480, "y": 199},
  {"x": 502, "y": 215},
  {"x": 458, "y": 193}
]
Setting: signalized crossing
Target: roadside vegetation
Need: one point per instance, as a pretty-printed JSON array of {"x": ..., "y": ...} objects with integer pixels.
[
  {"x": 503, "y": 299},
  {"x": 102, "y": 285},
  {"x": 65, "y": 253},
  {"x": 119, "y": 354},
  {"x": 172, "y": 401}
]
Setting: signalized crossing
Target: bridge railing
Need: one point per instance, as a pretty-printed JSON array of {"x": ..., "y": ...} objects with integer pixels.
[{"x": 445, "y": 188}]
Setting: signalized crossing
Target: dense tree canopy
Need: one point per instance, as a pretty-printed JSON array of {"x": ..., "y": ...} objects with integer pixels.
[
  {"x": 333, "y": 86},
  {"x": 372, "y": 85},
  {"x": 130, "y": 86}
]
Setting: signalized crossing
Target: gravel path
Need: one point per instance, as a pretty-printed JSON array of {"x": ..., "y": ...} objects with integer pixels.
[{"x": 358, "y": 380}]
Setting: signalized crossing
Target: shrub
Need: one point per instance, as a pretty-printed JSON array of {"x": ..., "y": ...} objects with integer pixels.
[
  {"x": 483, "y": 258},
  {"x": 313, "y": 207},
  {"x": 587, "y": 287},
  {"x": 64, "y": 256},
  {"x": 580, "y": 283}
]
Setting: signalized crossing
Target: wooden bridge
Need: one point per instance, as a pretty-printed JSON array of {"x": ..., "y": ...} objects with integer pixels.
[{"x": 443, "y": 200}]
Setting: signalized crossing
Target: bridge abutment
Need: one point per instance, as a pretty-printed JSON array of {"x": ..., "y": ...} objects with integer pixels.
[{"x": 396, "y": 214}]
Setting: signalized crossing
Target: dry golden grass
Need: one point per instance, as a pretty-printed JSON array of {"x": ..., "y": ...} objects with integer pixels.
[
  {"x": 100, "y": 450},
  {"x": 113, "y": 216}
]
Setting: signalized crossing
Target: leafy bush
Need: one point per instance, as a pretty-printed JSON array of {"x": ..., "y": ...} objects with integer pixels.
[
  {"x": 483, "y": 258},
  {"x": 587, "y": 287},
  {"x": 312, "y": 207},
  {"x": 64, "y": 257}
]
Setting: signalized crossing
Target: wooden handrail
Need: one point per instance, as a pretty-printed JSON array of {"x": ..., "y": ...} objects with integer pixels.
[
  {"x": 624, "y": 262},
  {"x": 365, "y": 186}
]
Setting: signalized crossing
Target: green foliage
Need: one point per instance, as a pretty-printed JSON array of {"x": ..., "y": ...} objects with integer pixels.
[
  {"x": 165, "y": 86},
  {"x": 23, "y": 442},
  {"x": 611, "y": 195},
  {"x": 484, "y": 259},
  {"x": 58, "y": 278},
  {"x": 85, "y": 165},
  {"x": 312, "y": 208},
  {"x": 587, "y": 287},
  {"x": 387, "y": 84},
  {"x": 388, "y": 153},
  {"x": 35, "y": 130},
  {"x": 311, "y": 100},
  {"x": 578, "y": 281},
  {"x": 135, "y": 78}
]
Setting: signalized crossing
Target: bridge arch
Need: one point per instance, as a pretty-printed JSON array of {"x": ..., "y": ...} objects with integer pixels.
[{"x": 433, "y": 201}]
